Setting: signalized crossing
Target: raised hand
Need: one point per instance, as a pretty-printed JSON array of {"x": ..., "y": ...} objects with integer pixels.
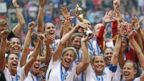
[
  {"x": 117, "y": 16},
  {"x": 132, "y": 34},
  {"x": 65, "y": 12},
  {"x": 49, "y": 39},
  {"x": 15, "y": 4},
  {"x": 31, "y": 25},
  {"x": 123, "y": 29},
  {"x": 42, "y": 2},
  {"x": 108, "y": 16},
  {"x": 4, "y": 34},
  {"x": 136, "y": 22}
]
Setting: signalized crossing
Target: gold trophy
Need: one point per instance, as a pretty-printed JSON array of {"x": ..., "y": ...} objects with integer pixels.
[{"x": 79, "y": 14}]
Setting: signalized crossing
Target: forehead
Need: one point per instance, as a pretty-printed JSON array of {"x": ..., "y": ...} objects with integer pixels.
[
  {"x": 77, "y": 38},
  {"x": 108, "y": 50},
  {"x": 128, "y": 64},
  {"x": 13, "y": 56},
  {"x": 69, "y": 52},
  {"x": 98, "y": 58},
  {"x": 49, "y": 25},
  {"x": 15, "y": 39}
]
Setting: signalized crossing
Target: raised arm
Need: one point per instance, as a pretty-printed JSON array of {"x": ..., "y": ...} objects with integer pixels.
[
  {"x": 48, "y": 54},
  {"x": 85, "y": 57},
  {"x": 136, "y": 25},
  {"x": 26, "y": 44},
  {"x": 41, "y": 15},
  {"x": 21, "y": 22},
  {"x": 3, "y": 45},
  {"x": 138, "y": 49},
  {"x": 33, "y": 56},
  {"x": 139, "y": 53},
  {"x": 116, "y": 51},
  {"x": 63, "y": 40}
]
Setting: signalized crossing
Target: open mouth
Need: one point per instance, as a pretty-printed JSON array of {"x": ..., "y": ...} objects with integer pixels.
[
  {"x": 15, "y": 64},
  {"x": 16, "y": 48},
  {"x": 67, "y": 61},
  {"x": 99, "y": 67},
  {"x": 36, "y": 66},
  {"x": 52, "y": 32},
  {"x": 126, "y": 74}
]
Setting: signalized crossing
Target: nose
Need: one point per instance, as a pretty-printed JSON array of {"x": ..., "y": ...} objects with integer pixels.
[
  {"x": 69, "y": 57},
  {"x": 109, "y": 54},
  {"x": 15, "y": 59},
  {"x": 78, "y": 43}
]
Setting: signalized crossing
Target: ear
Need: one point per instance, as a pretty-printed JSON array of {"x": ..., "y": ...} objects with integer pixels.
[{"x": 135, "y": 71}]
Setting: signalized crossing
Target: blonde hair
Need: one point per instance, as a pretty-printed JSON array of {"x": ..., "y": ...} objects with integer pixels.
[{"x": 70, "y": 48}]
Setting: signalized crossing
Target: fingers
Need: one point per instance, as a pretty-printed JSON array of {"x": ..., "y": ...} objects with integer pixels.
[
  {"x": 31, "y": 25},
  {"x": 4, "y": 33}
]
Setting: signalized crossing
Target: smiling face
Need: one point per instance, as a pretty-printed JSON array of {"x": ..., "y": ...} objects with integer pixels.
[
  {"x": 36, "y": 66},
  {"x": 108, "y": 55},
  {"x": 129, "y": 71},
  {"x": 15, "y": 46},
  {"x": 12, "y": 62},
  {"x": 76, "y": 42},
  {"x": 99, "y": 64},
  {"x": 50, "y": 29},
  {"x": 68, "y": 58}
]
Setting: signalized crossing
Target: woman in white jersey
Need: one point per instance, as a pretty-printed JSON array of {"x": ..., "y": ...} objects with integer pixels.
[
  {"x": 129, "y": 70},
  {"x": 62, "y": 66},
  {"x": 97, "y": 70}
]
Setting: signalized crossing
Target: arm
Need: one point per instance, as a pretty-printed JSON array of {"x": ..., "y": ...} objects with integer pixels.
[
  {"x": 85, "y": 58},
  {"x": 63, "y": 40},
  {"x": 120, "y": 58},
  {"x": 138, "y": 51},
  {"x": 48, "y": 54},
  {"x": 100, "y": 36},
  {"x": 33, "y": 56},
  {"x": 116, "y": 51},
  {"x": 26, "y": 44},
  {"x": 139, "y": 39},
  {"x": 142, "y": 34},
  {"x": 41, "y": 15},
  {"x": 21, "y": 22},
  {"x": 3, "y": 49},
  {"x": 66, "y": 25},
  {"x": 140, "y": 55}
]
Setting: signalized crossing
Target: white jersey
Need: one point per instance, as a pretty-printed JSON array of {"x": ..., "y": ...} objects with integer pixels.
[
  {"x": 119, "y": 76},
  {"x": 32, "y": 77},
  {"x": 116, "y": 75},
  {"x": 18, "y": 77},
  {"x": 91, "y": 76},
  {"x": 56, "y": 72}
]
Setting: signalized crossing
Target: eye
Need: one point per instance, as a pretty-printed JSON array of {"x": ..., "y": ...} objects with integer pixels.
[{"x": 101, "y": 61}]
